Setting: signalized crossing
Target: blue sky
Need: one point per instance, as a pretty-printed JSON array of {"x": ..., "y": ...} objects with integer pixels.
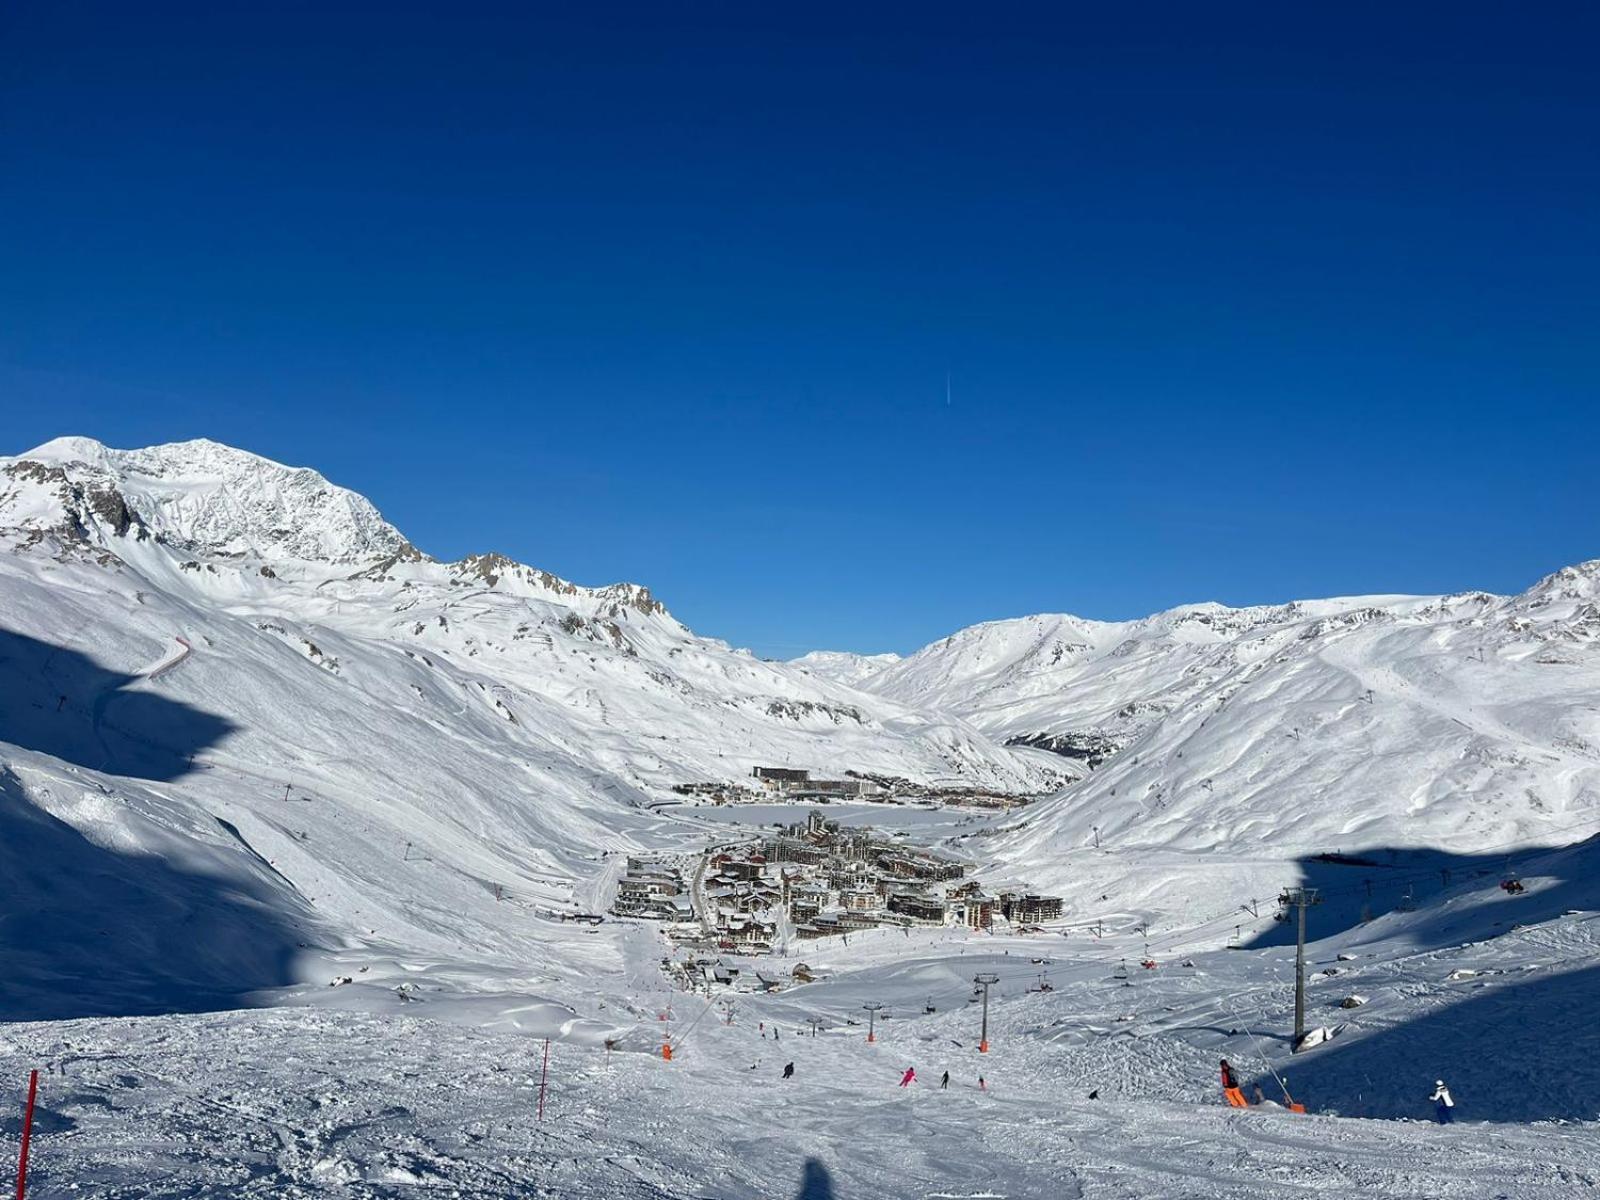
[{"x": 1237, "y": 302}]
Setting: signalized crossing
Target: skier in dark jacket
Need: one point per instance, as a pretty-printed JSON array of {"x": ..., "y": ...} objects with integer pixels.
[
  {"x": 1229, "y": 1079},
  {"x": 944, "y": 1081},
  {"x": 788, "y": 1070}
]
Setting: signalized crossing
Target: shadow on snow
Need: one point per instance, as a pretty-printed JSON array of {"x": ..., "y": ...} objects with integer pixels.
[
  {"x": 1511, "y": 1047},
  {"x": 62, "y": 703},
  {"x": 91, "y": 931}
]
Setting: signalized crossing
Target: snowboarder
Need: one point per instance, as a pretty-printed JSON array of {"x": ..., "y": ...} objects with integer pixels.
[
  {"x": 788, "y": 1070},
  {"x": 944, "y": 1081},
  {"x": 1095, "y": 1095},
  {"x": 909, "y": 1077},
  {"x": 1444, "y": 1103}
]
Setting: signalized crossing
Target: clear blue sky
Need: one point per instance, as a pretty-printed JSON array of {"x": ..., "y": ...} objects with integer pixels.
[{"x": 1238, "y": 302}]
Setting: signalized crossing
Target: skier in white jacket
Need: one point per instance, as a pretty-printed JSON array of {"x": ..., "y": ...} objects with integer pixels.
[{"x": 1443, "y": 1102}]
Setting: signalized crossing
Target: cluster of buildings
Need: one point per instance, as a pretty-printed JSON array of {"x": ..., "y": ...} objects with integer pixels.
[
  {"x": 816, "y": 879},
  {"x": 653, "y": 888},
  {"x": 796, "y": 785}
]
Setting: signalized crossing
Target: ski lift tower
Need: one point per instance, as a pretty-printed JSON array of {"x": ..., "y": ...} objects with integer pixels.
[
  {"x": 872, "y": 1015},
  {"x": 1299, "y": 899},
  {"x": 983, "y": 981}
]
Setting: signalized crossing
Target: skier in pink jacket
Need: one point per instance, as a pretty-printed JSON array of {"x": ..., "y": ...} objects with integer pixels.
[{"x": 909, "y": 1077}]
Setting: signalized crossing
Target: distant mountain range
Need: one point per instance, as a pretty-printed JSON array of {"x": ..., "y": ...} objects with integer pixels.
[{"x": 240, "y": 670}]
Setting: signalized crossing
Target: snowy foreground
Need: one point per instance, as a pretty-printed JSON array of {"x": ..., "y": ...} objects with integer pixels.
[
  {"x": 287, "y": 1102},
  {"x": 284, "y": 1103}
]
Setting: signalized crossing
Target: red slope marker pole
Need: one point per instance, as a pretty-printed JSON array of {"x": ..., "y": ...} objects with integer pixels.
[
  {"x": 543, "y": 1078},
  {"x": 27, "y": 1135}
]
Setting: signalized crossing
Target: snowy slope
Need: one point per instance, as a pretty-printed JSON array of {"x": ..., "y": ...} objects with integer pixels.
[
  {"x": 253, "y": 742},
  {"x": 1266, "y": 735},
  {"x": 844, "y": 667},
  {"x": 191, "y": 633}
]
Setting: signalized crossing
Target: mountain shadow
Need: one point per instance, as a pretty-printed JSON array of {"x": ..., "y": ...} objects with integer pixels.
[
  {"x": 1506, "y": 1050},
  {"x": 1365, "y": 886},
  {"x": 89, "y": 931},
  {"x": 86, "y": 931},
  {"x": 62, "y": 703}
]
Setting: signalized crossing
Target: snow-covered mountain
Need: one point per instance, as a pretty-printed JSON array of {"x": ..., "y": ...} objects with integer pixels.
[
  {"x": 843, "y": 667},
  {"x": 190, "y": 633},
  {"x": 254, "y": 743},
  {"x": 1458, "y": 722}
]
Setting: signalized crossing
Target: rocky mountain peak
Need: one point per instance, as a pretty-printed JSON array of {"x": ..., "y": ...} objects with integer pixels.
[{"x": 197, "y": 495}]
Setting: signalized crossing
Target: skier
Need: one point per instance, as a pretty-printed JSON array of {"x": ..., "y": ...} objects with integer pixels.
[
  {"x": 944, "y": 1081},
  {"x": 1095, "y": 1095},
  {"x": 788, "y": 1071},
  {"x": 909, "y": 1077},
  {"x": 1444, "y": 1103},
  {"x": 982, "y": 1086},
  {"x": 774, "y": 1033}
]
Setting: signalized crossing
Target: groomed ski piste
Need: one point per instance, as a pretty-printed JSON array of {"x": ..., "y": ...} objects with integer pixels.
[{"x": 288, "y": 902}]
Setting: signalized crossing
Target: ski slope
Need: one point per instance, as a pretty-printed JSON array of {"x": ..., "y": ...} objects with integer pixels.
[{"x": 296, "y": 821}]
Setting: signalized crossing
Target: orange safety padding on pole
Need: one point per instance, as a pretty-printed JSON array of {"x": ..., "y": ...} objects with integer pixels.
[{"x": 666, "y": 1051}]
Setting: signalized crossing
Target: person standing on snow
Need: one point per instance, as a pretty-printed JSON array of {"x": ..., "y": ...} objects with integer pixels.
[
  {"x": 788, "y": 1070},
  {"x": 944, "y": 1081},
  {"x": 909, "y": 1077},
  {"x": 1444, "y": 1103}
]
